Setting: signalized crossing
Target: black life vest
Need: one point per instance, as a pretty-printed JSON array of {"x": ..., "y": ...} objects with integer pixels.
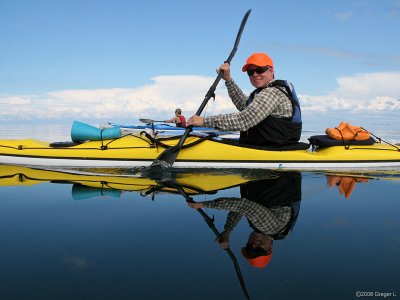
[
  {"x": 275, "y": 132},
  {"x": 283, "y": 191}
]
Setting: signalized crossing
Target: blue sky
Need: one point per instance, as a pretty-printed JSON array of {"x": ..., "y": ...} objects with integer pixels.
[{"x": 118, "y": 60}]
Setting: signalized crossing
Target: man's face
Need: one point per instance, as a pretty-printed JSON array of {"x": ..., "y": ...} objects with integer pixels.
[
  {"x": 257, "y": 239},
  {"x": 260, "y": 76}
]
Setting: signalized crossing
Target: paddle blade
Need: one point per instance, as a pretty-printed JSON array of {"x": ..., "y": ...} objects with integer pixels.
[
  {"x": 167, "y": 158},
  {"x": 149, "y": 121}
]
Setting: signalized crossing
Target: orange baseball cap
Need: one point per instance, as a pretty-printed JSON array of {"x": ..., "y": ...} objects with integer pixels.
[
  {"x": 259, "y": 261},
  {"x": 259, "y": 59}
]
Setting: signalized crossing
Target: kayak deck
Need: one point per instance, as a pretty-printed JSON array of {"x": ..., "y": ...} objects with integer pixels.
[
  {"x": 169, "y": 130},
  {"x": 136, "y": 151}
]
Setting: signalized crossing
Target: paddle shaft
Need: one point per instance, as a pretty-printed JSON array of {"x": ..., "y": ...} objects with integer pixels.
[
  {"x": 211, "y": 91},
  {"x": 169, "y": 155},
  {"x": 211, "y": 225}
]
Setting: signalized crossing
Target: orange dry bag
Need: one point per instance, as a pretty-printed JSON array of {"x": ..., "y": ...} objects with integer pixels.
[{"x": 347, "y": 132}]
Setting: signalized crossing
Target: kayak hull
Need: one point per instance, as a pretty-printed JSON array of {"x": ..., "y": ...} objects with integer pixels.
[{"x": 134, "y": 151}]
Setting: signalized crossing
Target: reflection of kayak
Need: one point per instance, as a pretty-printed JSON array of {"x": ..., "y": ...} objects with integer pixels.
[
  {"x": 197, "y": 152},
  {"x": 112, "y": 182},
  {"x": 119, "y": 180}
]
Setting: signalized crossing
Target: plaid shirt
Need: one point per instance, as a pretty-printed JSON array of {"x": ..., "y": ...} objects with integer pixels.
[
  {"x": 268, "y": 102},
  {"x": 267, "y": 220}
]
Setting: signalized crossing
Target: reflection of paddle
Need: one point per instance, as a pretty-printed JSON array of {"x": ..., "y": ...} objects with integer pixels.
[
  {"x": 210, "y": 223},
  {"x": 168, "y": 157}
]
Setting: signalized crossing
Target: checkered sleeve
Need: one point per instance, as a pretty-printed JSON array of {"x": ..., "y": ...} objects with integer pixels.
[
  {"x": 267, "y": 220},
  {"x": 236, "y": 94}
]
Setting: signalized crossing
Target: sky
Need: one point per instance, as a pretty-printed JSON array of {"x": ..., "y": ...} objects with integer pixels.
[{"x": 100, "y": 61}]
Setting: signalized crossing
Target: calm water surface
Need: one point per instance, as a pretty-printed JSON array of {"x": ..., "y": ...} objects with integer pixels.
[{"x": 122, "y": 236}]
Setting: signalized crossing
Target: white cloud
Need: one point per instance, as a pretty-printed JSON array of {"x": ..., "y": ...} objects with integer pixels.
[
  {"x": 156, "y": 100},
  {"x": 15, "y": 100},
  {"x": 369, "y": 85},
  {"x": 375, "y": 93}
]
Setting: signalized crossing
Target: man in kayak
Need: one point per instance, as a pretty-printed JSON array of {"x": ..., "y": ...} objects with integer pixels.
[
  {"x": 269, "y": 117},
  {"x": 179, "y": 120}
]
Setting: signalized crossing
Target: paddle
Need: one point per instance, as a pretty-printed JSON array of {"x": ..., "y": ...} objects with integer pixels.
[
  {"x": 169, "y": 182},
  {"x": 210, "y": 223},
  {"x": 168, "y": 157},
  {"x": 148, "y": 121}
]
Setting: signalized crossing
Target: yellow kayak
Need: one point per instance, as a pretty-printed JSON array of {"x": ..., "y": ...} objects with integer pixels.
[{"x": 197, "y": 152}]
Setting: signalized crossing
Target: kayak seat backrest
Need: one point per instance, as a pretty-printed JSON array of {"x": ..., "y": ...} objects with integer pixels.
[
  {"x": 322, "y": 141},
  {"x": 63, "y": 144}
]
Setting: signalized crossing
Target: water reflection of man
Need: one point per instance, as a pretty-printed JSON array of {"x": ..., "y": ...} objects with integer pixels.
[{"x": 271, "y": 207}]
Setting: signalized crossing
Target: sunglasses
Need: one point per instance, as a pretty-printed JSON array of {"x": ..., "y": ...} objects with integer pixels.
[
  {"x": 256, "y": 251},
  {"x": 258, "y": 70}
]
